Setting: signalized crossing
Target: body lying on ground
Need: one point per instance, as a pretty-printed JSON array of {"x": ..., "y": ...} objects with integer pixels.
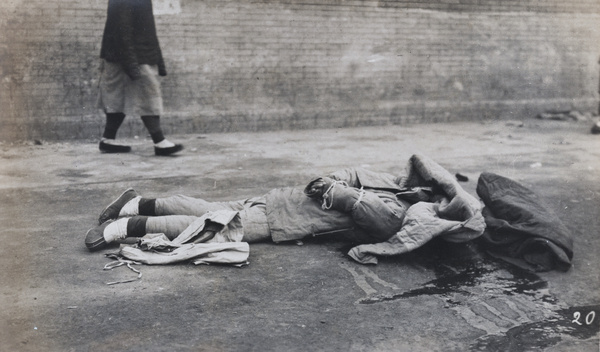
[{"x": 381, "y": 213}]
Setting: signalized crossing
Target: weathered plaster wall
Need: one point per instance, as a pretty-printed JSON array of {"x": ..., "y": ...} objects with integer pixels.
[{"x": 256, "y": 65}]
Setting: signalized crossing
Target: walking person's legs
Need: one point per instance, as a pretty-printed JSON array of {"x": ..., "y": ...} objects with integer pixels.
[
  {"x": 144, "y": 95},
  {"x": 111, "y": 100},
  {"x": 149, "y": 104}
]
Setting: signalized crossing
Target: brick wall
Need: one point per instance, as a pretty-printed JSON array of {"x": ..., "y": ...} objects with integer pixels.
[{"x": 239, "y": 65}]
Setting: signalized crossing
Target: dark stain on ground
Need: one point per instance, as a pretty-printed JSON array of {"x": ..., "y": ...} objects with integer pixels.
[
  {"x": 578, "y": 322},
  {"x": 460, "y": 266}
]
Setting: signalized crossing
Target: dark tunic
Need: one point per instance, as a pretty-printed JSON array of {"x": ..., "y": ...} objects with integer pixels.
[{"x": 130, "y": 36}]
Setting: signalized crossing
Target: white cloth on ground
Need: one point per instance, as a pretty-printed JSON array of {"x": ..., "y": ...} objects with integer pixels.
[{"x": 224, "y": 248}]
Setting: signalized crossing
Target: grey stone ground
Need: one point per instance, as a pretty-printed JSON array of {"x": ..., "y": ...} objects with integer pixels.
[{"x": 291, "y": 297}]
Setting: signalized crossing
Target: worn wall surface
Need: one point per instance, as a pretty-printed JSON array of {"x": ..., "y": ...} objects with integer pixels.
[{"x": 237, "y": 65}]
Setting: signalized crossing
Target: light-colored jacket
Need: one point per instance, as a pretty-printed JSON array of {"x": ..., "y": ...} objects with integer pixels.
[
  {"x": 453, "y": 214},
  {"x": 440, "y": 208}
]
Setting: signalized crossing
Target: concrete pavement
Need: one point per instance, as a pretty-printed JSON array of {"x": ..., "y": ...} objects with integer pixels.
[{"x": 295, "y": 297}]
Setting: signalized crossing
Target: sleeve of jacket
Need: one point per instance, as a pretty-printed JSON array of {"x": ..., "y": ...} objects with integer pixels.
[{"x": 126, "y": 23}]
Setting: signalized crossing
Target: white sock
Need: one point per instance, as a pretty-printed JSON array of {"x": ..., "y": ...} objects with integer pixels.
[
  {"x": 164, "y": 144},
  {"x": 131, "y": 208},
  {"x": 116, "y": 230}
]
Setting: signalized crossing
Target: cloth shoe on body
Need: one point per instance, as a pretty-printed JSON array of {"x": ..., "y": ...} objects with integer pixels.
[
  {"x": 94, "y": 238},
  {"x": 110, "y": 146},
  {"x": 113, "y": 210},
  {"x": 101, "y": 236}
]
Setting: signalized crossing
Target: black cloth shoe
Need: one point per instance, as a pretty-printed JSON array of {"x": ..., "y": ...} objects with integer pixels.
[
  {"x": 113, "y": 148},
  {"x": 94, "y": 238},
  {"x": 111, "y": 212},
  {"x": 168, "y": 151}
]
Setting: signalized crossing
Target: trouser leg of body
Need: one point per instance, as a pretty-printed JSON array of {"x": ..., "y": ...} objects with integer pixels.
[
  {"x": 252, "y": 213},
  {"x": 254, "y": 222},
  {"x": 130, "y": 215},
  {"x": 253, "y": 219},
  {"x": 184, "y": 205},
  {"x": 130, "y": 203},
  {"x": 139, "y": 226},
  {"x": 171, "y": 225},
  {"x": 254, "y": 225}
]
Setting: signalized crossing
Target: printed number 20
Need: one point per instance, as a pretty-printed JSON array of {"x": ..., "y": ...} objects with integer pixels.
[{"x": 589, "y": 318}]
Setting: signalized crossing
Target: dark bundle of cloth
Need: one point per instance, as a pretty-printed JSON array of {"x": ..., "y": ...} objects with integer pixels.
[{"x": 519, "y": 229}]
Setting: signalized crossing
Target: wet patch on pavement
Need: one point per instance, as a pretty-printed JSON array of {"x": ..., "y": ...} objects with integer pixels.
[
  {"x": 572, "y": 323},
  {"x": 512, "y": 306}
]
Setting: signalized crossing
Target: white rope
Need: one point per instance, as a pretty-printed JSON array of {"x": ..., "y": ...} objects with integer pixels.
[
  {"x": 329, "y": 194},
  {"x": 120, "y": 262},
  {"x": 361, "y": 194}
]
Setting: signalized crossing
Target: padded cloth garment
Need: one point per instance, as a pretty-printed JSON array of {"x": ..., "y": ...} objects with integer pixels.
[
  {"x": 520, "y": 229},
  {"x": 452, "y": 214}
]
